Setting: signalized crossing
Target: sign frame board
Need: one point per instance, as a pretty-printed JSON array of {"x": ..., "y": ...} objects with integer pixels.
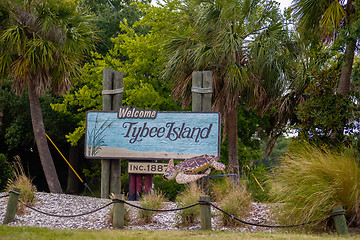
[{"x": 177, "y": 135}]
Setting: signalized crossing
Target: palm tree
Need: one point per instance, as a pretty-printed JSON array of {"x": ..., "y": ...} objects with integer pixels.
[
  {"x": 230, "y": 38},
  {"x": 304, "y": 56},
  {"x": 42, "y": 43},
  {"x": 332, "y": 19}
]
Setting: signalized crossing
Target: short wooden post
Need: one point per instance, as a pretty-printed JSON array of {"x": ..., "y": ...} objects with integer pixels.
[
  {"x": 132, "y": 187},
  {"x": 12, "y": 205},
  {"x": 205, "y": 213},
  {"x": 118, "y": 212},
  {"x": 338, "y": 214},
  {"x": 139, "y": 186},
  {"x": 148, "y": 183}
]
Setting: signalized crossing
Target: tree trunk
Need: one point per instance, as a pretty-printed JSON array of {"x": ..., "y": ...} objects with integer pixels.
[
  {"x": 1, "y": 115},
  {"x": 72, "y": 180},
  {"x": 232, "y": 138},
  {"x": 344, "y": 83},
  {"x": 41, "y": 141}
]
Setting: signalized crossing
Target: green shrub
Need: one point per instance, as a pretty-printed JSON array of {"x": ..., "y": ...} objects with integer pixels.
[
  {"x": 170, "y": 188},
  {"x": 232, "y": 199},
  {"x": 190, "y": 196},
  {"x": 5, "y": 171},
  {"x": 220, "y": 188},
  {"x": 324, "y": 114},
  {"x": 22, "y": 182},
  {"x": 154, "y": 200},
  {"x": 311, "y": 181}
]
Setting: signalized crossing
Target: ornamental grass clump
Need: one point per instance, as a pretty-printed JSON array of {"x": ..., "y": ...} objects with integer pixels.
[
  {"x": 22, "y": 182},
  {"x": 189, "y": 197},
  {"x": 153, "y": 200},
  {"x": 235, "y": 200},
  {"x": 5, "y": 171},
  {"x": 310, "y": 181}
]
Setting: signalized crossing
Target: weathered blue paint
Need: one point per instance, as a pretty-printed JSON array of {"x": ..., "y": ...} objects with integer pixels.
[{"x": 176, "y": 135}]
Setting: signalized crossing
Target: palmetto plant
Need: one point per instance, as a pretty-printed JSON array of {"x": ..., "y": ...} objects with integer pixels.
[
  {"x": 42, "y": 43},
  {"x": 236, "y": 40},
  {"x": 318, "y": 24},
  {"x": 328, "y": 20}
]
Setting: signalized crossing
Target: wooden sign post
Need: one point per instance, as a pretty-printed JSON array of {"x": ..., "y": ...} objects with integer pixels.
[
  {"x": 201, "y": 91},
  {"x": 112, "y": 100},
  {"x": 201, "y": 102}
]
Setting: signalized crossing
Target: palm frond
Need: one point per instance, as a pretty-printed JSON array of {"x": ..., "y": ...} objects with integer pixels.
[
  {"x": 44, "y": 42},
  {"x": 241, "y": 42},
  {"x": 332, "y": 19}
]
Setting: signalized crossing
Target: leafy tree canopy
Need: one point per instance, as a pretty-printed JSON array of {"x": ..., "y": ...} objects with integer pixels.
[
  {"x": 323, "y": 112},
  {"x": 139, "y": 57},
  {"x": 109, "y": 15}
]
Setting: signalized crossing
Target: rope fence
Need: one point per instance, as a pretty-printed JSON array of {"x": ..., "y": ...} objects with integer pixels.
[
  {"x": 339, "y": 212},
  {"x": 156, "y": 210},
  {"x": 65, "y": 216},
  {"x": 257, "y": 224}
]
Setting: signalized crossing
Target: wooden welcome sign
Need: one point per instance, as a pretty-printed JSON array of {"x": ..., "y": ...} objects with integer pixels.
[{"x": 133, "y": 133}]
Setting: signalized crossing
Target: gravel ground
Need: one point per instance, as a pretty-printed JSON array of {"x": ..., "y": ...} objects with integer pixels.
[{"x": 63, "y": 204}]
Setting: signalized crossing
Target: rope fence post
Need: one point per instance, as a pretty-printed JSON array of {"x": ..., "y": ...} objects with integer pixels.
[
  {"x": 118, "y": 212},
  {"x": 12, "y": 205},
  {"x": 338, "y": 214},
  {"x": 205, "y": 212}
]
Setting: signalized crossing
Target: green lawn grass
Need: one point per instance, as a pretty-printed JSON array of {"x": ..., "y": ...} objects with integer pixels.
[{"x": 29, "y": 233}]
